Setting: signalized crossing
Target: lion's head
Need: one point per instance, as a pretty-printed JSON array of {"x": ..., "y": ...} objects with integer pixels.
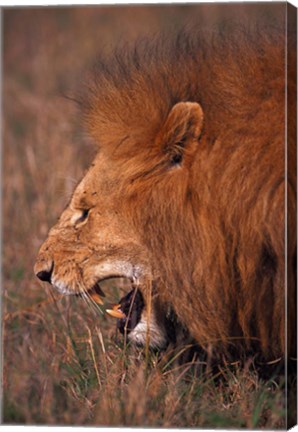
[{"x": 97, "y": 236}]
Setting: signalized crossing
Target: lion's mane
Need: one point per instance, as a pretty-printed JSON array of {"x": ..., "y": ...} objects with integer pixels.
[{"x": 221, "y": 248}]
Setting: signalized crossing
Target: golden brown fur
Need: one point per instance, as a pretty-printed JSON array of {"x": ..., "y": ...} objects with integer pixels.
[{"x": 191, "y": 195}]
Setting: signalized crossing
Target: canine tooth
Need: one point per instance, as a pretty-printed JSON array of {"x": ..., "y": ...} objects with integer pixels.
[
  {"x": 99, "y": 290},
  {"x": 95, "y": 297},
  {"x": 116, "y": 313}
]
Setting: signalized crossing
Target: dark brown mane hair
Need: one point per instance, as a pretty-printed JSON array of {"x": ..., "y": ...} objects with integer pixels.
[{"x": 133, "y": 90}]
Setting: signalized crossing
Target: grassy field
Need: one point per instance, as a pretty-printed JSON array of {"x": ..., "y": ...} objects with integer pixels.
[{"x": 63, "y": 362}]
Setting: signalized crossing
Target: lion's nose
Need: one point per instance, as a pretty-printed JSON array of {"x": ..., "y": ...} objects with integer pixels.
[
  {"x": 44, "y": 269},
  {"x": 44, "y": 275}
]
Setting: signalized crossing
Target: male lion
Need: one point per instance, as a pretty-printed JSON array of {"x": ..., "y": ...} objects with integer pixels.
[{"x": 186, "y": 196}]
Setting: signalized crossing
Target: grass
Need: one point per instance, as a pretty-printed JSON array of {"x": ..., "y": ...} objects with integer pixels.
[
  {"x": 68, "y": 372},
  {"x": 63, "y": 362}
]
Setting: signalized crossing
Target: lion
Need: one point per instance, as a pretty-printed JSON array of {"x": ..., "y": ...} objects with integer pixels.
[{"x": 186, "y": 196}]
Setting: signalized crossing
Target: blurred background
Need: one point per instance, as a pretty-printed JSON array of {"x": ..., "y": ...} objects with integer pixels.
[{"x": 63, "y": 363}]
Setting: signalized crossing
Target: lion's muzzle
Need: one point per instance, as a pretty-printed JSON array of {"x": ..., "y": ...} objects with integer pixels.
[{"x": 43, "y": 269}]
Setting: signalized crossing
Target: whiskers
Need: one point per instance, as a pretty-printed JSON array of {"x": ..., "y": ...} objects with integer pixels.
[{"x": 85, "y": 295}]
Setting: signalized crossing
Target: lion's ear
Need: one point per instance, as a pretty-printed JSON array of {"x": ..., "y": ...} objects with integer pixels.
[{"x": 181, "y": 130}]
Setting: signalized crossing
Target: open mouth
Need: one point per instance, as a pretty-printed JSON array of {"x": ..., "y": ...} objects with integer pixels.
[
  {"x": 96, "y": 293},
  {"x": 127, "y": 311}
]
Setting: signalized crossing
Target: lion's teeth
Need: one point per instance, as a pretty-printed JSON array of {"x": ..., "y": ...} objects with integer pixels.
[
  {"x": 98, "y": 290},
  {"x": 95, "y": 297},
  {"x": 116, "y": 313}
]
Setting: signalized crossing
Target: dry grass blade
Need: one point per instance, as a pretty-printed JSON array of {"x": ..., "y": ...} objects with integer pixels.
[
  {"x": 93, "y": 357},
  {"x": 32, "y": 309}
]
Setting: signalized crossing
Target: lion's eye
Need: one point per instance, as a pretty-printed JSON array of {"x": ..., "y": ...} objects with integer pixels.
[
  {"x": 83, "y": 217},
  {"x": 177, "y": 159}
]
